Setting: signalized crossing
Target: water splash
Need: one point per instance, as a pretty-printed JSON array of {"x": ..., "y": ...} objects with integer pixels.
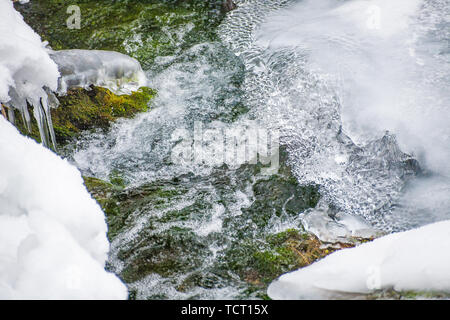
[
  {"x": 334, "y": 84},
  {"x": 362, "y": 175}
]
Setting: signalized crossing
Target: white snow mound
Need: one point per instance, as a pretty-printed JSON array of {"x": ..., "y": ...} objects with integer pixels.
[
  {"x": 53, "y": 241},
  {"x": 414, "y": 260}
]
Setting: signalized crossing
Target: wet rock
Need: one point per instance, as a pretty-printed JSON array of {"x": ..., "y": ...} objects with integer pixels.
[
  {"x": 174, "y": 244},
  {"x": 173, "y": 251},
  {"x": 141, "y": 29},
  {"x": 229, "y": 5}
]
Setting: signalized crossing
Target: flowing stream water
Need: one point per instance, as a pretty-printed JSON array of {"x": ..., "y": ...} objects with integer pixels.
[{"x": 358, "y": 91}]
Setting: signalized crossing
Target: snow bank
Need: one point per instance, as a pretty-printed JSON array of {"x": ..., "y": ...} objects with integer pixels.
[
  {"x": 113, "y": 70},
  {"x": 416, "y": 260},
  {"x": 53, "y": 241}
]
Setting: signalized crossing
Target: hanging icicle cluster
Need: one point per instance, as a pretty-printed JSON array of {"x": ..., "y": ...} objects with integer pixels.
[
  {"x": 77, "y": 68},
  {"x": 41, "y": 111},
  {"x": 30, "y": 72}
]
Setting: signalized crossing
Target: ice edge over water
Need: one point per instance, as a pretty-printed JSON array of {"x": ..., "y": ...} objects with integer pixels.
[{"x": 108, "y": 69}]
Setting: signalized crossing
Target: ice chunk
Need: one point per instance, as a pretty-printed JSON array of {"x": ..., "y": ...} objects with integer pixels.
[
  {"x": 336, "y": 227},
  {"x": 112, "y": 70}
]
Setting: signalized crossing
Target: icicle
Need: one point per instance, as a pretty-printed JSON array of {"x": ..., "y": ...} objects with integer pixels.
[
  {"x": 50, "y": 101},
  {"x": 41, "y": 111},
  {"x": 20, "y": 103},
  {"x": 11, "y": 116},
  {"x": 40, "y": 119},
  {"x": 26, "y": 117}
]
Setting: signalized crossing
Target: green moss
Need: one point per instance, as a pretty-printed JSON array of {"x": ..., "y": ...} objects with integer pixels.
[
  {"x": 84, "y": 110},
  {"x": 99, "y": 188},
  {"x": 119, "y": 203},
  {"x": 271, "y": 262},
  {"x": 105, "y": 194},
  {"x": 144, "y": 29},
  {"x": 116, "y": 178},
  {"x": 260, "y": 262}
]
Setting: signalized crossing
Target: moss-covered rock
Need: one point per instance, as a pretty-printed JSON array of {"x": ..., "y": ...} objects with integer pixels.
[
  {"x": 277, "y": 195},
  {"x": 84, "y": 110},
  {"x": 105, "y": 194},
  {"x": 260, "y": 262},
  {"x": 144, "y": 29},
  {"x": 119, "y": 204},
  {"x": 100, "y": 189},
  {"x": 274, "y": 196},
  {"x": 168, "y": 243}
]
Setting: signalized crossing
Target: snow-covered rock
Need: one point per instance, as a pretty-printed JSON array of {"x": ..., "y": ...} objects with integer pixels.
[
  {"x": 414, "y": 260},
  {"x": 25, "y": 64},
  {"x": 53, "y": 241},
  {"x": 29, "y": 74},
  {"x": 113, "y": 70}
]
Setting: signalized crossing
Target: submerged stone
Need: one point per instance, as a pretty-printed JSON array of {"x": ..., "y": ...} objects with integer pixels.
[{"x": 166, "y": 229}]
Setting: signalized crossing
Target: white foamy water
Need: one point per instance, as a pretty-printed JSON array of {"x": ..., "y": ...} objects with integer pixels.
[
  {"x": 391, "y": 69},
  {"x": 332, "y": 77},
  {"x": 359, "y": 89}
]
